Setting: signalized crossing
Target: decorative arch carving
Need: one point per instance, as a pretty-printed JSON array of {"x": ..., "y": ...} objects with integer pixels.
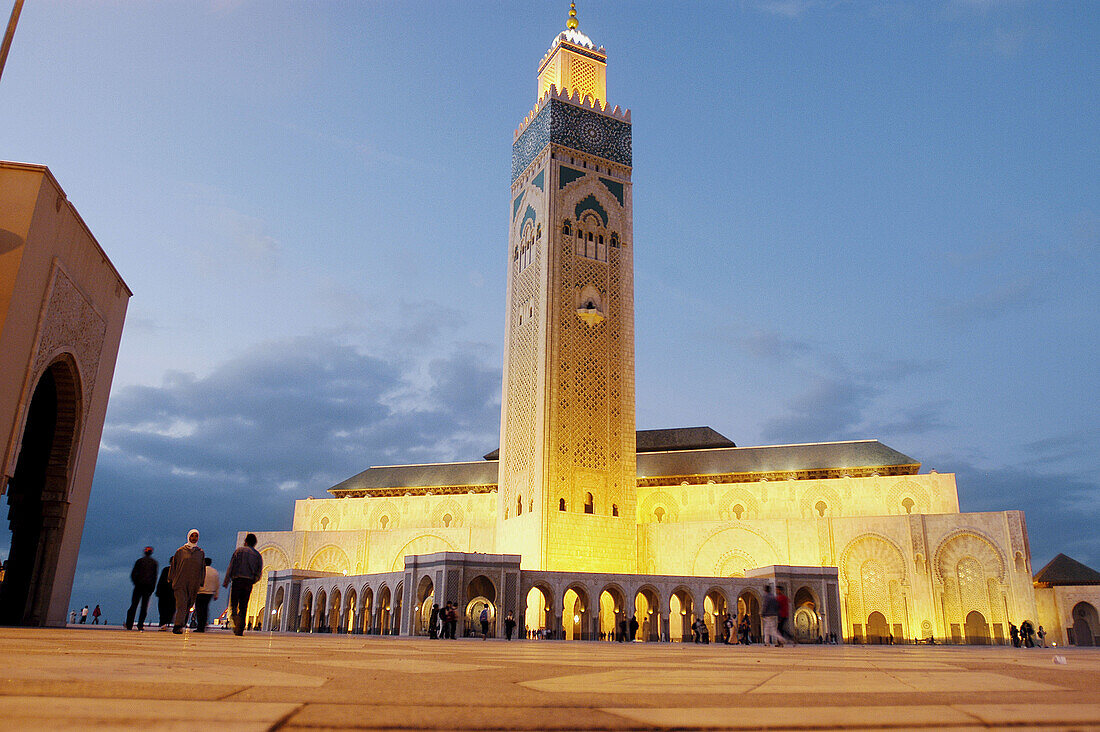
[
  {"x": 817, "y": 493},
  {"x": 738, "y": 497},
  {"x": 448, "y": 507},
  {"x": 657, "y": 499},
  {"x": 423, "y": 544},
  {"x": 747, "y": 540},
  {"x": 912, "y": 490},
  {"x": 968, "y": 542},
  {"x": 329, "y": 558},
  {"x": 388, "y": 510}
]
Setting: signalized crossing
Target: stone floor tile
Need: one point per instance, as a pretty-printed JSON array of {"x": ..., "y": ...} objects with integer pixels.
[
  {"x": 1034, "y": 713},
  {"x": 829, "y": 683},
  {"x": 795, "y": 717},
  {"x": 649, "y": 681},
  {"x": 345, "y": 716},
  {"x": 69, "y": 712}
]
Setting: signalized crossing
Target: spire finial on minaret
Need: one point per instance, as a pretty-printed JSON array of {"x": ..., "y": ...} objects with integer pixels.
[{"x": 572, "y": 23}]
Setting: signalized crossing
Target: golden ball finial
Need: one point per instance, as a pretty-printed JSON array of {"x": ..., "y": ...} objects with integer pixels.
[{"x": 572, "y": 23}]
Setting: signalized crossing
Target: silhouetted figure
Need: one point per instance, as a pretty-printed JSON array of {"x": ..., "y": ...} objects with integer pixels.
[
  {"x": 166, "y": 601},
  {"x": 633, "y": 628},
  {"x": 144, "y": 577},
  {"x": 509, "y": 626},
  {"x": 433, "y": 622},
  {"x": 244, "y": 570},
  {"x": 1014, "y": 633},
  {"x": 484, "y": 623}
]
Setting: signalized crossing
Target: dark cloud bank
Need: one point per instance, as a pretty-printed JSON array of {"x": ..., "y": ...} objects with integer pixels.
[{"x": 232, "y": 450}]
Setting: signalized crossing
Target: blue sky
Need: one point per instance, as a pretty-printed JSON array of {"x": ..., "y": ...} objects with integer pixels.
[{"x": 852, "y": 220}]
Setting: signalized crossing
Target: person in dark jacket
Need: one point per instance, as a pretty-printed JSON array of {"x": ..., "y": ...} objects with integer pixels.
[
  {"x": 244, "y": 570},
  {"x": 144, "y": 577},
  {"x": 433, "y": 622},
  {"x": 166, "y": 601}
]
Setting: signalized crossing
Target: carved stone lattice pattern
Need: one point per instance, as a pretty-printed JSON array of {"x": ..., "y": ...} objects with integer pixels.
[
  {"x": 876, "y": 560},
  {"x": 584, "y": 75},
  {"x": 972, "y": 589},
  {"x": 71, "y": 324},
  {"x": 522, "y": 376},
  {"x": 511, "y": 582},
  {"x": 574, "y": 127},
  {"x": 966, "y": 543}
]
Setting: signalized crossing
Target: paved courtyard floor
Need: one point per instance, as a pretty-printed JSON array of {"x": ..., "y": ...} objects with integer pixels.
[{"x": 105, "y": 678}]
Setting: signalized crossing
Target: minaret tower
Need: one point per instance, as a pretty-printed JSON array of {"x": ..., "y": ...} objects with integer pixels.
[{"x": 567, "y": 484}]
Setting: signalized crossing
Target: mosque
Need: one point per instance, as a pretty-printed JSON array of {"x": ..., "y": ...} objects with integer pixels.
[{"x": 578, "y": 520}]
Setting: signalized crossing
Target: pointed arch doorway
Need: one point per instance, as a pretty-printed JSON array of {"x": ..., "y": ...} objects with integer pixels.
[{"x": 37, "y": 495}]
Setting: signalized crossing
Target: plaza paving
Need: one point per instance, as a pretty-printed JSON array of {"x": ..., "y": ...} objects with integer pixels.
[{"x": 107, "y": 678}]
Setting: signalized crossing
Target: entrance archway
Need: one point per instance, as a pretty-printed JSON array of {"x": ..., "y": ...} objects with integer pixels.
[
  {"x": 612, "y": 612},
  {"x": 1085, "y": 624},
  {"x": 748, "y": 606},
  {"x": 480, "y": 594},
  {"x": 425, "y": 598},
  {"x": 806, "y": 628},
  {"x": 334, "y": 612},
  {"x": 647, "y": 611},
  {"x": 536, "y": 617},
  {"x": 398, "y": 606},
  {"x": 38, "y": 495},
  {"x": 276, "y": 622},
  {"x": 876, "y": 628},
  {"x": 976, "y": 629},
  {"x": 574, "y": 613},
  {"x": 366, "y": 611}
]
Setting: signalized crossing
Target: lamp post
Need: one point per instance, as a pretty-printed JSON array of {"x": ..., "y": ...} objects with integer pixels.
[{"x": 9, "y": 34}]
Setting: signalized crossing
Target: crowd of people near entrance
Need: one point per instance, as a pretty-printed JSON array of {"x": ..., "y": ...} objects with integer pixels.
[{"x": 187, "y": 586}]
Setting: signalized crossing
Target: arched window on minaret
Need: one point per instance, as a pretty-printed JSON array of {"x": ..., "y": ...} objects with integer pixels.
[
  {"x": 567, "y": 228},
  {"x": 614, "y": 509},
  {"x": 519, "y": 505},
  {"x": 561, "y": 504},
  {"x": 588, "y": 503}
]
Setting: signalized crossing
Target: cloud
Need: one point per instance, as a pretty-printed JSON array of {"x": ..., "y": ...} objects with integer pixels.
[
  {"x": 232, "y": 450},
  {"x": 1019, "y": 294}
]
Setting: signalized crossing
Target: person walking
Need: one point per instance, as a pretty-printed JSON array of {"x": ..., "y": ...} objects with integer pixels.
[
  {"x": 1042, "y": 637},
  {"x": 186, "y": 573},
  {"x": 727, "y": 623},
  {"x": 484, "y": 618},
  {"x": 769, "y": 615},
  {"x": 433, "y": 622},
  {"x": 84, "y": 615},
  {"x": 207, "y": 593},
  {"x": 633, "y": 628},
  {"x": 1014, "y": 633},
  {"x": 452, "y": 620},
  {"x": 783, "y": 626},
  {"x": 72, "y": 618},
  {"x": 95, "y": 615},
  {"x": 509, "y": 626},
  {"x": 144, "y": 577},
  {"x": 244, "y": 570},
  {"x": 166, "y": 602}
]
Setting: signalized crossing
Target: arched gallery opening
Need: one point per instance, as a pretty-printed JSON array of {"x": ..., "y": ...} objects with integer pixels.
[
  {"x": 574, "y": 613},
  {"x": 334, "y": 612},
  {"x": 322, "y": 607},
  {"x": 398, "y": 606},
  {"x": 536, "y": 617},
  {"x": 366, "y": 610},
  {"x": 681, "y": 614},
  {"x": 38, "y": 496},
  {"x": 804, "y": 621},
  {"x": 276, "y": 622},
  {"x": 748, "y": 605},
  {"x": 384, "y": 611},
  {"x": 714, "y": 612},
  {"x": 612, "y": 612},
  {"x": 480, "y": 594},
  {"x": 647, "y": 610},
  {"x": 425, "y": 598},
  {"x": 1086, "y": 626},
  {"x": 351, "y": 607},
  {"x": 305, "y": 621}
]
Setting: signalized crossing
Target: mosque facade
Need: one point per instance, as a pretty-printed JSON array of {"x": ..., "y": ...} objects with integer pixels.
[{"x": 579, "y": 518}]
